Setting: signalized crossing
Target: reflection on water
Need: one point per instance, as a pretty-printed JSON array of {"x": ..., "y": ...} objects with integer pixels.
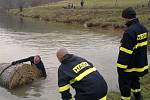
[
  {"x": 34, "y": 90},
  {"x": 21, "y": 38}
]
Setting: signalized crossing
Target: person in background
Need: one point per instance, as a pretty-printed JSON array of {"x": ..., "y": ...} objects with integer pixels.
[
  {"x": 82, "y": 76},
  {"x": 36, "y": 60},
  {"x": 82, "y": 3},
  {"x": 132, "y": 60}
]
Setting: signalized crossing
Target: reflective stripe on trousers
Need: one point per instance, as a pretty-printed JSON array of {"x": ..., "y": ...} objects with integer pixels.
[
  {"x": 104, "y": 98},
  {"x": 125, "y": 98}
]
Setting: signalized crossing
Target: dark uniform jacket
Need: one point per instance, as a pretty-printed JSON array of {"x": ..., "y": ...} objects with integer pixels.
[
  {"x": 40, "y": 65},
  {"x": 83, "y": 77},
  {"x": 132, "y": 60}
]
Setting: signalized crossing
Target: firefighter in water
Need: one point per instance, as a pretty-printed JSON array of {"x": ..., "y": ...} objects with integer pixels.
[
  {"x": 132, "y": 60},
  {"x": 81, "y": 75},
  {"x": 36, "y": 60}
]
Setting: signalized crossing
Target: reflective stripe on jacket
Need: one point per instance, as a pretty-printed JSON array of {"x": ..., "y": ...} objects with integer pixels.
[
  {"x": 83, "y": 77},
  {"x": 132, "y": 59}
]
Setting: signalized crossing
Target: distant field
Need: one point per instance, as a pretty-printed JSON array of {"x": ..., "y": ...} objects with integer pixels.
[
  {"x": 105, "y": 3},
  {"x": 101, "y": 13},
  {"x": 114, "y": 3}
]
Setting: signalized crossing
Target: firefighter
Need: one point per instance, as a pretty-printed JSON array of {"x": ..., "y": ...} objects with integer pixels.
[
  {"x": 81, "y": 75},
  {"x": 36, "y": 60},
  {"x": 132, "y": 60}
]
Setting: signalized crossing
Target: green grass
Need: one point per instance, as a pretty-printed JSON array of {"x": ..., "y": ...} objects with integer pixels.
[
  {"x": 113, "y": 3},
  {"x": 113, "y": 96},
  {"x": 146, "y": 87},
  {"x": 145, "y": 84}
]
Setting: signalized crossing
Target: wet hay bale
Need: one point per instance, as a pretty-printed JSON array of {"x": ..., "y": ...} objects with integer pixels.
[{"x": 17, "y": 75}]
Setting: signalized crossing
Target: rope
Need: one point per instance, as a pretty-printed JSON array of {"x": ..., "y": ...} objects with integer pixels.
[{"x": 5, "y": 69}]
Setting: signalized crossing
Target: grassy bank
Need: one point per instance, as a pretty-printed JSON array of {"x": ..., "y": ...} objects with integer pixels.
[
  {"x": 145, "y": 84},
  {"x": 96, "y": 13}
]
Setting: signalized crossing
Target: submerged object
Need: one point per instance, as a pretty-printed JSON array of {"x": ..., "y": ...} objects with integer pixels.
[{"x": 12, "y": 76}]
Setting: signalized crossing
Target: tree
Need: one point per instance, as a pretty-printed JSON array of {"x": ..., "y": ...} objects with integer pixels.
[{"x": 8, "y": 4}]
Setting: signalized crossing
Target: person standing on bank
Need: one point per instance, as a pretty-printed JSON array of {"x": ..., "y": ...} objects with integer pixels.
[
  {"x": 132, "y": 60},
  {"x": 82, "y": 3},
  {"x": 81, "y": 75},
  {"x": 36, "y": 60}
]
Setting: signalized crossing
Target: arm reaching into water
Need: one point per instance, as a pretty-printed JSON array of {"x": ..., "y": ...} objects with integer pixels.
[
  {"x": 23, "y": 60},
  {"x": 36, "y": 60}
]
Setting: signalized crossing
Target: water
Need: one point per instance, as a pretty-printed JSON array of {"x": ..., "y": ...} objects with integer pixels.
[{"x": 22, "y": 37}]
